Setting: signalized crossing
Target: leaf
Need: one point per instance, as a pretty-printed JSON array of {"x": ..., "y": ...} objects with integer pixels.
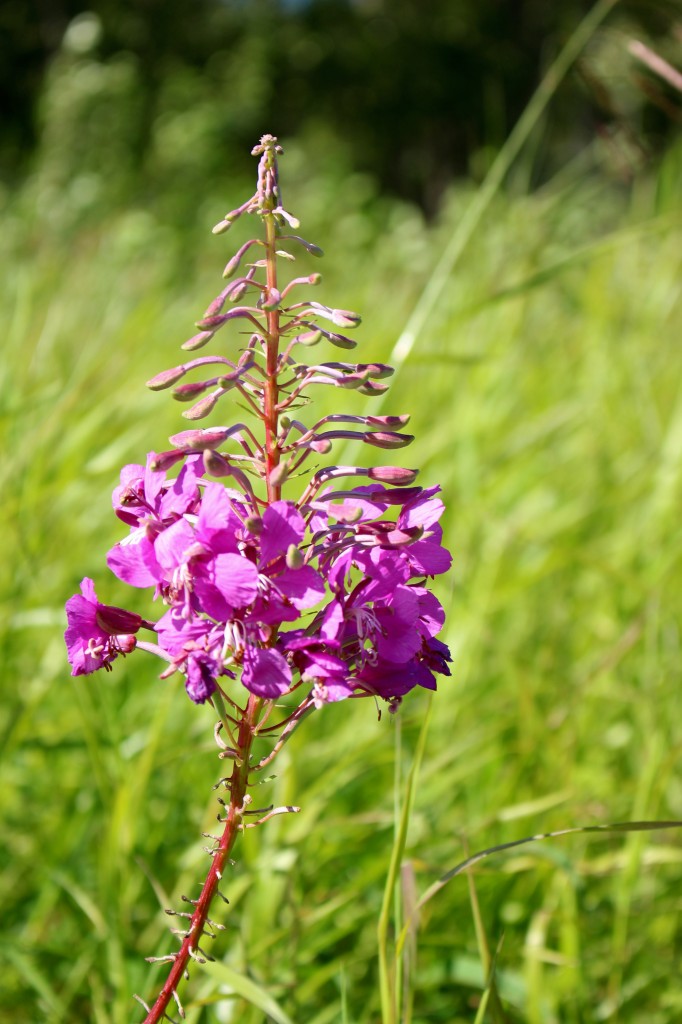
[{"x": 247, "y": 989}]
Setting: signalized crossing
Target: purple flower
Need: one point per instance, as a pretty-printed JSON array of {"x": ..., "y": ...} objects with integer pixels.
[
  {"x": 328, "y": 591},
  {"x": 97, "y": 633}
]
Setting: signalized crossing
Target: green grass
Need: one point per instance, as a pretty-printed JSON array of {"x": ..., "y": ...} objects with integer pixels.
[{"x": 546, "y": 392}]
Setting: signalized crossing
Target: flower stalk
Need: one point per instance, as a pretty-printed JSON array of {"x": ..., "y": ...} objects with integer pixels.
[{"x": 266, "y": 594}]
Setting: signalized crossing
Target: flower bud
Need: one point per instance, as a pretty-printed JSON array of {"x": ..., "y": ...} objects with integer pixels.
[
  {"x": 322, "y": 446},
  {"x": 397, "y": 497},
  {"x": 238, "y": 292},
  {"x": 387, "y": 421},
  {"x": 308, "y": 338},
  {"x": 166, "y": 378},
  {"x": 388, "y": 439},
  {"x": 294, "y": 557},
  {"x": 117, "y": 620},
  {"x": 215, "y": 307},
  {"x": 202, "y": 408},
  {"x": 222, "y": 226},
  {"x": 313, "y": 249},
  {"x": 350, "y": 380},
  {"x": 214, "y": 463},
  {"x": 198, "y": 340},
  {"x": 279, "y": 474},
  {"x": 392, "y": 475},
  {"x": 377, "y": 371},
  {"x": 232, "y": 265},
  {"x": 400, "y": 538},
  {"x": 340, "y": 340},
  {"x": 126, "y": 643},
  {"x": 288, "y": 218},
  {"x": 254, "y": 524},
  {"x": 166, "y": 460},
  {"x": 371, "y": 389},
  {"x": 211, "y": 437},
  {"x": 186, "y": 392},
  {"x": 345, "y": 514},
  {"x": 270, "y": 300},
  {"x": 345, "y": 318}
]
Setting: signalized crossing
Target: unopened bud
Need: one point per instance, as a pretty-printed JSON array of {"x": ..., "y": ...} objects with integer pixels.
[
  {"x": 308, "y": 338},
  {"x": 340, "y": 340},
  {"x": 202, "y": 408},
  {"x": 232, "y": 265},
  {"x": 166, "y": 460},
  {"x": 345, "y": 318},
  {"x": 388, "y": 439},
  {"x": 349, "y": 380},
  {"x": 279, "y": 475},
  {"x": 400, "y": 538},
  {"x": 117, "y": 620},
  {"x": 166, "y": 378},
  {"x": 377, "y": 371},
  {"x": 198, "y": 340},
  {"x": 315, "y": 278},
  {"x": 199, "y": 439},
  {"x": 323, "y": 446},
  {"x": 397, "y": 497},
  {"x": 344, "y": 514},
  {"x": 238, "y": 292},
  {"x": 294, "y": 558},
  {"x": 222, "y": 226},
  {"x": 215, "y": 464},
  {"x": 215, "y": 307},
  {"x": 387, "y": 421},
  {"x": 313, "y": 249},
  {"x": 394, "y": 475},
  {"x": 372, "y": 389},
  {"x": 270, "y": 299},
  {"x": 186, "y": 392},
  {"x": 288, "y": 218}
]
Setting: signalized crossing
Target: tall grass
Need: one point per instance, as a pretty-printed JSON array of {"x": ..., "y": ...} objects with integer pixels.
[{"x": 546, "y": 392}]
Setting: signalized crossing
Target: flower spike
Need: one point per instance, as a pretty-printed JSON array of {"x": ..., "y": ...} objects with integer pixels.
[{"x": 279, "y": 574}]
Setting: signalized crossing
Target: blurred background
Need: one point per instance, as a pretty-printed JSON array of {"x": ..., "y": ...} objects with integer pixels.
[{"x": 510, "y": 192}]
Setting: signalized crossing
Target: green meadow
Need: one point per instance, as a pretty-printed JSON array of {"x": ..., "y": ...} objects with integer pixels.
[{"x": 544, "y": 379}]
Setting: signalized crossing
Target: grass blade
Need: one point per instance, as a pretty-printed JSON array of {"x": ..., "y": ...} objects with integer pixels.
[{"x": 389, "y": 999}]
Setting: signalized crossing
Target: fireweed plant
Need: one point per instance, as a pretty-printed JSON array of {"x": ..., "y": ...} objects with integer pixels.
[{"x": 266, "y": 595}]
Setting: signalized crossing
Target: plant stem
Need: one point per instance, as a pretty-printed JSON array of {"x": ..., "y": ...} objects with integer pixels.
[
  {"x": 272, "y": 452},
  {"x": 237, "y": 785}
]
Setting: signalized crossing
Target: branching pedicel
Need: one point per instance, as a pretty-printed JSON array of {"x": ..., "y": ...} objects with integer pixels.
[{"x": 324, "y": 595}]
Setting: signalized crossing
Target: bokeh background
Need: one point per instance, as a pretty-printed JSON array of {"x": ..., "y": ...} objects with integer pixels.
[{"x": 538, "y": 271}]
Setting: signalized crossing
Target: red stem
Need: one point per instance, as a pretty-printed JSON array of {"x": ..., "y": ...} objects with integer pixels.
[{"x": 233, "y": 824}]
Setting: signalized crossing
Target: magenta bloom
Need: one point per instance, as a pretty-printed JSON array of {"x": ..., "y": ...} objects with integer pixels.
[
  {"x": 326, "y": 589},
  {"x": 97, "y": 633}
]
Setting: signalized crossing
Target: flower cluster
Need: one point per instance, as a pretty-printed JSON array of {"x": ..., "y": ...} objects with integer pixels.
[{"x": 326, "y": 592}]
